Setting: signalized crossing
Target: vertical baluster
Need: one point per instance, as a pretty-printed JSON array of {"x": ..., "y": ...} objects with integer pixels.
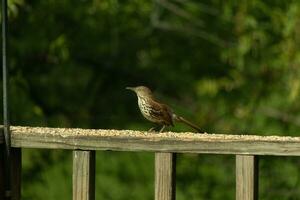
[
  {"x": 83, "y": 175},
  {"x": 16, "y": 170},
  {"x": 246, "y": 177},
  {"x": 165, "y": 172}
]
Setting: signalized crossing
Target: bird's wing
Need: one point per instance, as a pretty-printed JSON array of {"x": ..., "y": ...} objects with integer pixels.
[{"x": 163, "y": 112}]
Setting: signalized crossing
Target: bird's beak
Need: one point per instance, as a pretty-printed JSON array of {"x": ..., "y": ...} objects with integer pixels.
[{"x": 130, "y": 88}]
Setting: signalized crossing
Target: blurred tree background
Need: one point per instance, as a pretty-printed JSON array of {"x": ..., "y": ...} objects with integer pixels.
[{"x": 230, "y": 66}]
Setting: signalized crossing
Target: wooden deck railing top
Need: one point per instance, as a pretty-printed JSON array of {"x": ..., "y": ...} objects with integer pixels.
[{"x": 129, "y": 140}]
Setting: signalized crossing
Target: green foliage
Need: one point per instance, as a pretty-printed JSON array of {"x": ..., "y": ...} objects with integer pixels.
[{"x": 230, "y": 66}]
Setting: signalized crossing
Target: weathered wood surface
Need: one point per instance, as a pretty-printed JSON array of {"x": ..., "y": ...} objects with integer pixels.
[
  {"x": 128, "y": 140},
  {"x": 83, "y": 175},
  {"x": 165, "y": 172},
  {"x": 246, "y": 177}
]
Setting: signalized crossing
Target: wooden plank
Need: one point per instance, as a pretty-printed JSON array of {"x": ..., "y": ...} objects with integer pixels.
[
  {"x": 165, "y": 172},
  {"x": 185, "y": 142},
  {"x": 246, "y": 177},
  {"x": 16, "y": 170},
  {"x": 83, "y": 175}
]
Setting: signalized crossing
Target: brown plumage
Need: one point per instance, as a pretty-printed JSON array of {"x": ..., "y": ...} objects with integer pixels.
[{"x": 155, "y": 111}]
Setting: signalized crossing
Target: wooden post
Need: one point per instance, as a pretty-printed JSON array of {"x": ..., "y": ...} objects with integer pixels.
[
  {"x": 165, "y": 175},
  {"x": 2, "y": 171},
  {"x": 16, "y": 173},
  {"x": 16, "y": 167},
  {"x": 246, "y": 177},
  {"x": 83, "y": 175}
]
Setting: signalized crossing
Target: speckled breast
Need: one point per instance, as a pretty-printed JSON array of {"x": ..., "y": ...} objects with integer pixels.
[{"x": 146, "y": 110}]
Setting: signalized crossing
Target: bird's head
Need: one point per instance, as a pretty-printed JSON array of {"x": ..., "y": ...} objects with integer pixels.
[{"x": 141, "y": 91}]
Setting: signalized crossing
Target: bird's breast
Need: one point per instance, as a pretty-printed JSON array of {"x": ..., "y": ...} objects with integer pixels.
[
  {"x": 146, "y": 110},
  {"x": 154, "y": 111}
]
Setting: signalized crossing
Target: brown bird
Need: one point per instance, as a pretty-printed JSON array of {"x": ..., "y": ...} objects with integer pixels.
[{"x": 155, "y": 111}]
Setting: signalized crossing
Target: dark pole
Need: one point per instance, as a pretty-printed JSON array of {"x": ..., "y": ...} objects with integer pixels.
[{"x": 5, "y": 102}]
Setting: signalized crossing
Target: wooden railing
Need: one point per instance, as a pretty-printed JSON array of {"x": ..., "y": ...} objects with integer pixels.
[{"x": 84, "y": 142}]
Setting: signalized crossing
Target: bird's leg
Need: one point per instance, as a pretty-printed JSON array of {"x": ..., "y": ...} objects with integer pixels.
[
  {"x": 152, "y": 129},
  {"x": 162, "y": 129}
]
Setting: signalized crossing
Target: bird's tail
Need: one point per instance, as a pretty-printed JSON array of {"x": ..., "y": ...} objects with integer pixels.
[{"x": 187, "y": 122}]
